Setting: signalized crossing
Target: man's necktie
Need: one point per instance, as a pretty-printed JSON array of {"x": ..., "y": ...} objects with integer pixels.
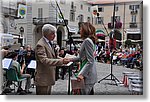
[
  {"x": 50, "y": 43},
  {"x": 52, "y": 46}
]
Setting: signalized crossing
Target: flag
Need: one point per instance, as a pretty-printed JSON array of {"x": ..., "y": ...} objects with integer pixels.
[
  {"x": 22, "y": 10},
  {"x": 94, "y": 11},
  {"x": 59, "y": 17}
]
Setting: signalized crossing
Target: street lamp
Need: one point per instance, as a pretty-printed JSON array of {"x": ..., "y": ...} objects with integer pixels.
[
  {"x": 21, "y": 30},
  {"x": 21, "y": 40}
]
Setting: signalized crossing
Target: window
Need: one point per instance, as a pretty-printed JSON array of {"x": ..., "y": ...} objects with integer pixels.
[
  {"x": 72, "y": 16},
  {"x": 40, "y": 12},
  {"x": 134, "y": 36},
  {"x": 81, "y": 7},
  {"x": 100, "y": 20},
  {"x": 117, "y": 18},
  {"x": 116, "y": 8},
  {"x": 134, "y": 7},
  {"x": 89, "y": 9},
  {"x": 133, "y": 19},
  {"x": 100, "y": 9},
  {"x": 81, "y": 18},
  {"x": 88, "y": 19},
  {"x": 72, "y": 5}
]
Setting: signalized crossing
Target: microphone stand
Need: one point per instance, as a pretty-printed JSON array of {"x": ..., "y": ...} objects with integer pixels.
[
  {"x": 69, "y": 34},
  {"x": 70, "y": 41},
  {"x": 113, "y": 78},
  {"x": 103, "y": 24}
]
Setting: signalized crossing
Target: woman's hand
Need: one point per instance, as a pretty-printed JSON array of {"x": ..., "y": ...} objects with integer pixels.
[
  {"x": 80, "y": 77},
  {"x": 22, "y": 69}
]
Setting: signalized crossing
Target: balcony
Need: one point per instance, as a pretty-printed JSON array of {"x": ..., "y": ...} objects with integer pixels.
[
  {"x": 134, "y": 12},
  {"x": 41, "y": 21},
  {"x": 118, "y": 25},
  {"x": 73, "y": 8},
  {"x": 9, "y": 12},
  {"x": 110, "y": 25},
  {"x": 133, "y": 25}
]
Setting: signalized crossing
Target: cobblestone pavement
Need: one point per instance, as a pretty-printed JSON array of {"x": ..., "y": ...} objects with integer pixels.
[{"x": 105, "y": 87}]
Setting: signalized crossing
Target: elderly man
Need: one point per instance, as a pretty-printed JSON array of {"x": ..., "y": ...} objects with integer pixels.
[{"x": 46, "y": 61}]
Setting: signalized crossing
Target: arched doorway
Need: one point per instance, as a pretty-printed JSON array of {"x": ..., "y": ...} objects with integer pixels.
[
  {"x": 60, "y": 36},
  {"x": 117, "y": 35},
  {"x": 37, "y": 34}
]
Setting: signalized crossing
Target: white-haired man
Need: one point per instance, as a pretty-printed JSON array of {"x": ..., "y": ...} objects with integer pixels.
[{"x": 46, "y": 61}]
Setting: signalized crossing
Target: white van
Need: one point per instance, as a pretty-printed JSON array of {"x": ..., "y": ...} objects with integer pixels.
[{"x": 6, "y": 39}]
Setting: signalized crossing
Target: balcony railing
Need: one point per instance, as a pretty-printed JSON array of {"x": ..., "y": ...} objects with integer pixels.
[
  {"x": 118, "y": 25},
  {"x": 51, "y": 20},
  {"x": 133, "y": 25},
  {"x": 134, "y": 12},
  {"x": 9, "y": 12}
]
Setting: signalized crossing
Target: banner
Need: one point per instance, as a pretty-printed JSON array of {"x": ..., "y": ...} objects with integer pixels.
[{"x": 22, "y": 10}]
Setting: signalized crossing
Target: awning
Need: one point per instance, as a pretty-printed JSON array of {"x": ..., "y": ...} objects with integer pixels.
[
  {"x": 118, "y": 40},
  {"x": 15, "y": 37},
  {"x": 78, "y": 40},
  {"x": 100, "y": 32},
  {"x": 76, "y": 36},
  {"x": 73, "y": 30},
  {"x": 135, "y": 40},
  {"x": 100, "y": 40},
  {"x": 133, "y": 31},
  {"x": 100, "y": 35}
]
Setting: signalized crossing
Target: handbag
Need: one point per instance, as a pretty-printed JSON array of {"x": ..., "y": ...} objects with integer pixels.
[{"x": 77, "y": 86}]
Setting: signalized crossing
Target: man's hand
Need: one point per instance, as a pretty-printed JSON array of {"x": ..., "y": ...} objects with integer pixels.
[{"x": 66, "y": 60}]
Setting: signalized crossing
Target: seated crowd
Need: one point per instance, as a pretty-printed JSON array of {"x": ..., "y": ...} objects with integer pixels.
[
  {"x": 128, "y": 57},
  {"x": 20, "y": 60}
]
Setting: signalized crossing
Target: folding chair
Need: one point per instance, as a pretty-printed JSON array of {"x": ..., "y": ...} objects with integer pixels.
[
  {"x": 11, "y": 75},
  {"x": 4, "y": 84}
]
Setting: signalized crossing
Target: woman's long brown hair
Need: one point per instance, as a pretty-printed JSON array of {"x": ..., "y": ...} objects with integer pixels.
[{"x": 88, "y": 30}]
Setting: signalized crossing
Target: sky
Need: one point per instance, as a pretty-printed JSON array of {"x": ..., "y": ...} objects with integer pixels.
[{"x": 108, "y": 1}]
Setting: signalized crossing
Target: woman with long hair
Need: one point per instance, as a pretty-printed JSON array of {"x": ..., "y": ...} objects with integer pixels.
[{"x": 87, "y": 70}]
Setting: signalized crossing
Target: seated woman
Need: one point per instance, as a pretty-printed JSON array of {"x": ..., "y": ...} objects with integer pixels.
[{"x": 19, "y": 70}]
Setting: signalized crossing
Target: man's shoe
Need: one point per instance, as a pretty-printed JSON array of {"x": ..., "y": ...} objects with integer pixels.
[
  {"x": 8, "y": 90},
  {"x": 23, "y": 92},
  {"x": 19, "y": 90},
  {"x": 29, "y": 92}
]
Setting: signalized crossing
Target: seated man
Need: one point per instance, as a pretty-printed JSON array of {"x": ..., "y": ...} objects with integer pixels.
[{"x": 19, "y": 70}]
